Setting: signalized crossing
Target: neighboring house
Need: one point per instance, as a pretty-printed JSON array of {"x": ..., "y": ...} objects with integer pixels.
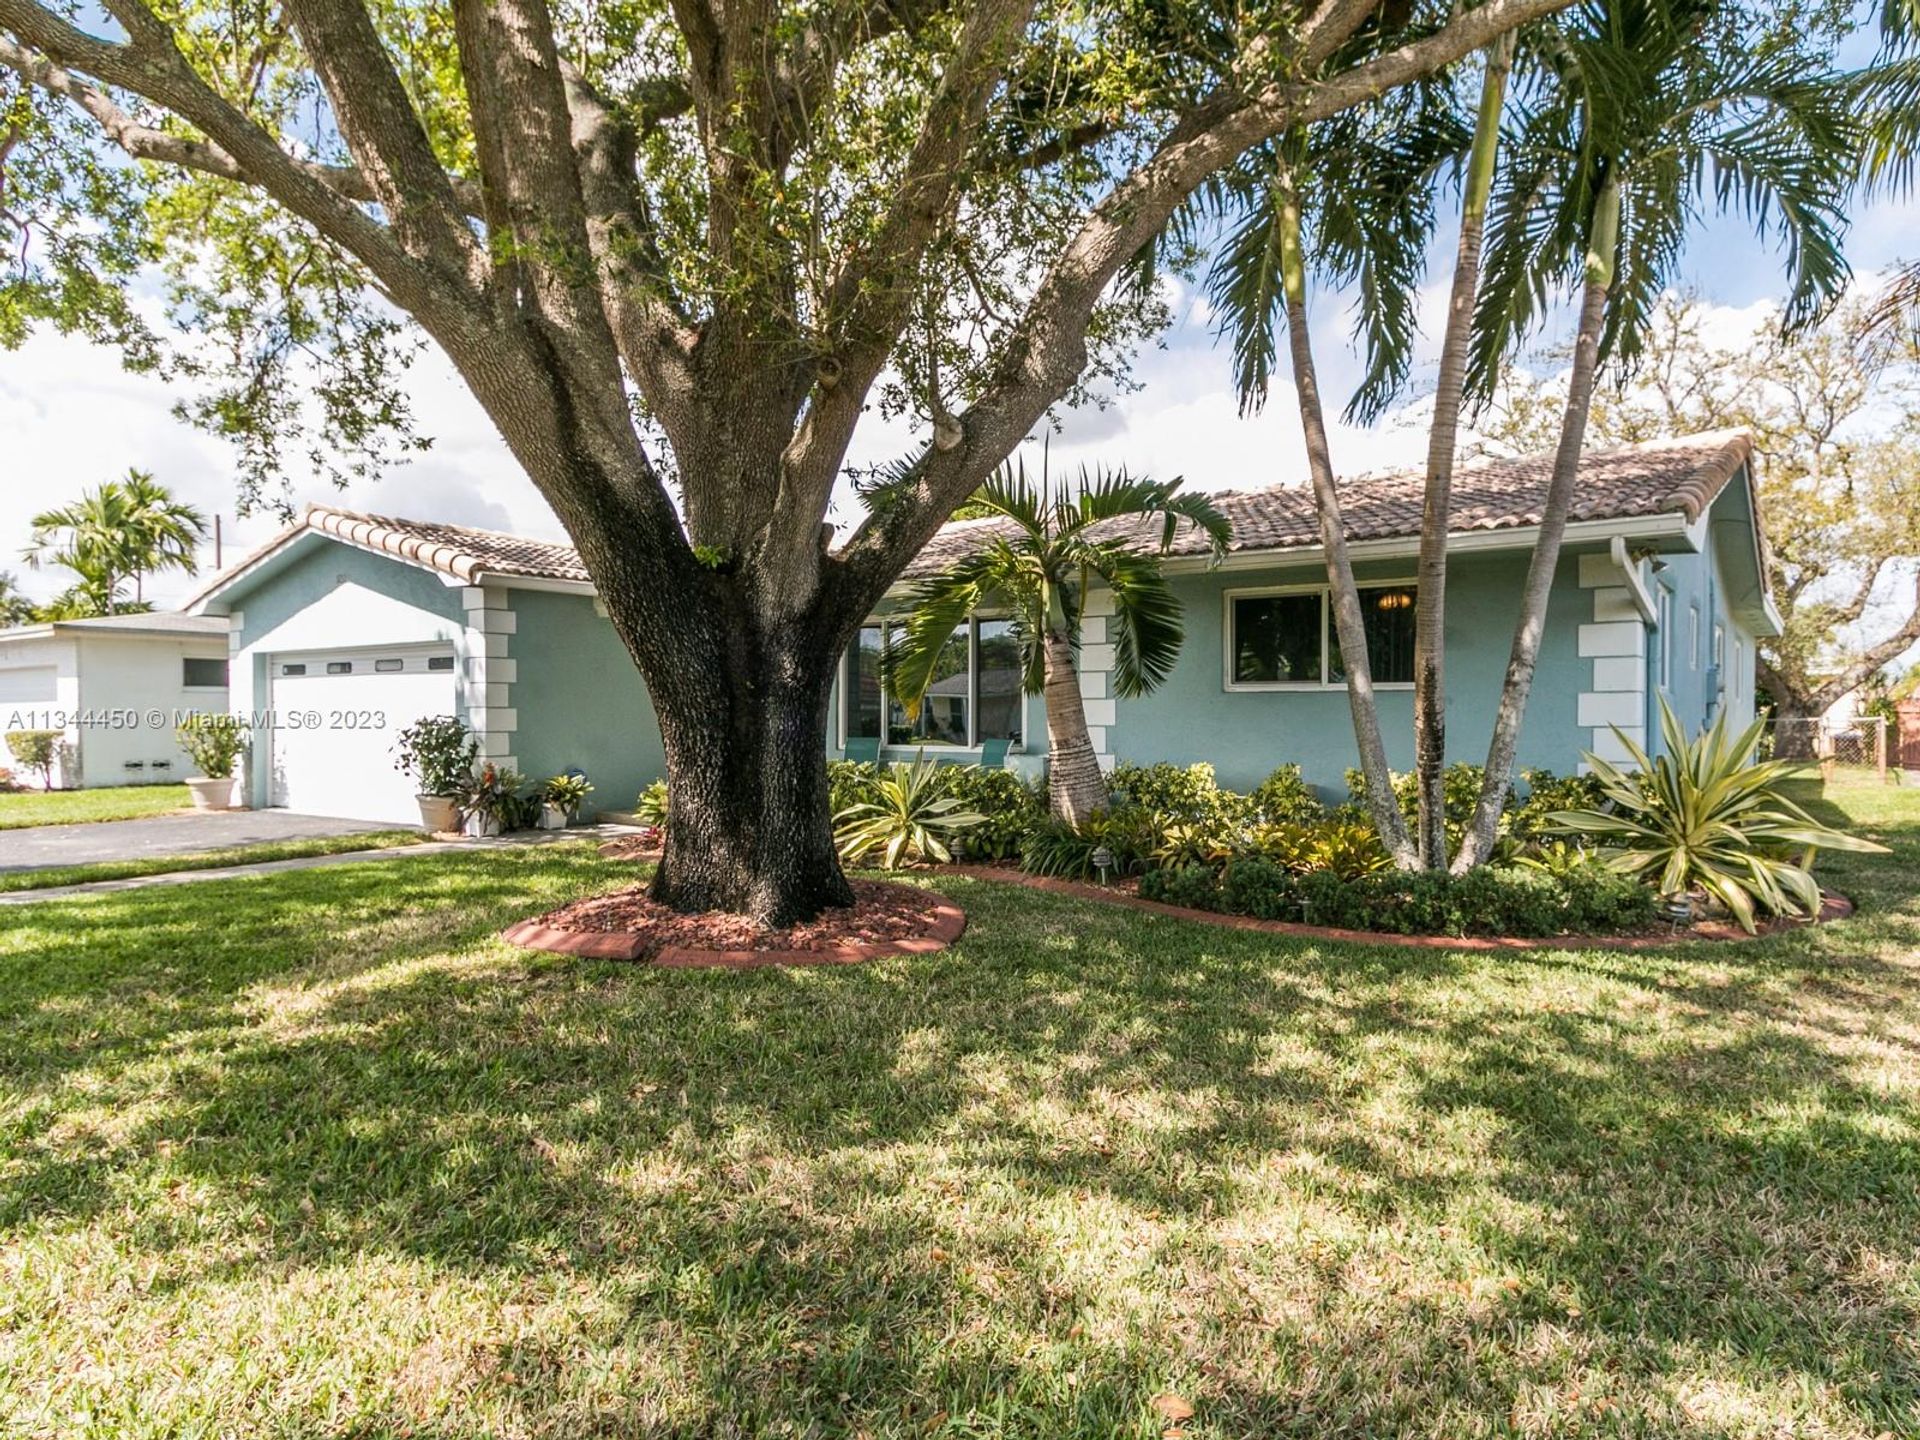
[
  {"x": 347, "y": 628},
  {"x": 115, "y": 687},
  {"x": 1660, "y": 589}
]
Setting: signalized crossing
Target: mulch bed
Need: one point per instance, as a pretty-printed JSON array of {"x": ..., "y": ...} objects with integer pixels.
[
  {"x": 885, "y": 919},
  {"x": 1834, "y": 907}
]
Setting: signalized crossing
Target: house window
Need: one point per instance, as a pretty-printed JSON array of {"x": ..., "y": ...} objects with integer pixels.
[
  {"x": 1665, "y": 639},
  {"x": 389, "y": 667},
  {"x": 339, "y": 667},
  {"x": 199, "y": 674},
  {"x": 975, "y": 692},
  {"x": 293, "y": 669},
  {"x": 1288, "y": 638},
  {"x": 440, "y": 662},
  {"x": 1693, "y": 636},
  {"x": 1719, "y": 646}
]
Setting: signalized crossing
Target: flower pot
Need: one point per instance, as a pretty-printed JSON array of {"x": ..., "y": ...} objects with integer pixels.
[
  {"x": 555, "y": 817},
  {"x": 211, "y": 792},
  {"x": 439, "y": 814},
  {"x": 483, "y": 827}
]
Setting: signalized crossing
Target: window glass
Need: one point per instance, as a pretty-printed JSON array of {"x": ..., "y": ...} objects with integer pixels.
[
  {"x": 199, "y": 674},
  {"x": 1277, "y": 639},
  {"x": 440, "y": 662},
  {"x": 1387, "y": 615},
  {"x": 863, "y": 685},
  {"x": 943, "y": 709},
  {"x": 293, "y": 669},
  {"x": 339, "y": 667},
  {"x": 998, "y": 686}
]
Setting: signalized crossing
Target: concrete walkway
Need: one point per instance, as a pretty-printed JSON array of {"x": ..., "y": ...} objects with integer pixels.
[{"x": 517, "y": 841}]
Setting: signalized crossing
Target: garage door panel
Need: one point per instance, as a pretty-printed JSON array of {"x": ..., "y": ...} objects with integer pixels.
[
  {"x": 28, "y": 685},
  {"x": 338, "y": 716}
]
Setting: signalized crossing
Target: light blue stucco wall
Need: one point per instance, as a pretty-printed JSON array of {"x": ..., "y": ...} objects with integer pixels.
[
  {"x": 580, "y": 701},
  {"x": 1707, "y": 583},
  {"x": 1245, "y": 734}
]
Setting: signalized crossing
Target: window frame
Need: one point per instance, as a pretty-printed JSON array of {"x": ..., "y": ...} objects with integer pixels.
[
  {"x": 224, "y": 662},
  {"x": 1229, "y": 648},
  {"x": 972, "y": 625}
]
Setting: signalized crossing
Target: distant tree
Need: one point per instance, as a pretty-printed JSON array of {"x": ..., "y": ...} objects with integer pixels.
[
  {"x": 114, "y": 536},
  {"x": 1835, "y": 414},
  {"x": 15, "y": 607}
]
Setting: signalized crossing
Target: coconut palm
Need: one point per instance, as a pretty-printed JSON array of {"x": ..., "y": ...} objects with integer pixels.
[
  {"x": 1645, "y": 114},
  {"x": 115, "y": 534},
  {"x": 1889, "y": 93},
  {"x": 1051, "y": 543}
]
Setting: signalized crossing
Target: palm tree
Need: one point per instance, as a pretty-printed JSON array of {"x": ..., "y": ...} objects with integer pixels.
[
  {"x": 1650, "y": 112},
  {"x": 118, "y": 532},
  {"x": 1371, "y": 218},
  {"x": 1051, "y": 543},
  {"x": 15, "y": 607},
  {"x": 1890, "y": 94}
]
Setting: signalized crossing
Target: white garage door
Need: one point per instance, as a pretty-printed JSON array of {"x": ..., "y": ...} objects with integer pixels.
[
  {"x": 337, "y": 715},
  {"x": 28, "y": 685}
]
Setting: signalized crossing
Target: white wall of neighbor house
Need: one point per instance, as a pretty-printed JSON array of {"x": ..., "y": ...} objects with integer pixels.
[
  {"x": 126, "y": 686},
  {"x": 39, "y": 685}
]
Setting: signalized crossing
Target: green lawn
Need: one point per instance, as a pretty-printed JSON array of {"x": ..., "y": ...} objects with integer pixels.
[
  {"x": 71, "y": 807},
  {"x": 315, "y": 1155},
  {"x": 255, "y": 854}
]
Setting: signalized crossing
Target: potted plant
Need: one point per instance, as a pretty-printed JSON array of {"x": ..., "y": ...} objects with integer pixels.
[
  {"x": 214, "y": 743},
  {"x": 491, "y": 801},
  {"x": 560, "y": 800},
  {"x": 438, "y": 751}
]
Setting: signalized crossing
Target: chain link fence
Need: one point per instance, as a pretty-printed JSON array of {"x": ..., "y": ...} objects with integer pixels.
[{"x": 1851, "y": 749}]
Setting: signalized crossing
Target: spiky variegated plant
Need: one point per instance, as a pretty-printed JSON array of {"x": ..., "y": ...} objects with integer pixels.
[
  {"x": 1707, "y": 817},
  {"x": 1055, "y": 541},
  {"x": 911, "y": 817}
]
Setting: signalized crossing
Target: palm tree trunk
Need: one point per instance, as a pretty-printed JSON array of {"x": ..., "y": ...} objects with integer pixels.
[
  {"x": 1075, "y": 786},
  {"x": 1346, "y": 595},
  {"x": 1603, "y": 239},
  {"x": 1430, "y": 616}
]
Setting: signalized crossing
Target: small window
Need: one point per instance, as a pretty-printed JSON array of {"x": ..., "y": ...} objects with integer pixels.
[
  {"x": 199, "y": 674},
  {"x": 1278, "y": 639},
  {"x": 440, "y": 662},
  {"x": 1387, "y": 617},
  {"x": 339, "y": 667},
  {"x": 1665, "y": 639},
  {"x": 388, "y": 667},
  {"x": 293, "y": 669},
  {"x": 1719, "y": 646},
  {"x": 1693, "y": 636}
]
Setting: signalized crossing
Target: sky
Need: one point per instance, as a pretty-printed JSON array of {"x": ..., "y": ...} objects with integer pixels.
[{"x": 71, "y": 417}]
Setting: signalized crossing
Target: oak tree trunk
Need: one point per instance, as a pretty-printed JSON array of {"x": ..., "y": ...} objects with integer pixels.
[{"x": 1076, "y": 788}]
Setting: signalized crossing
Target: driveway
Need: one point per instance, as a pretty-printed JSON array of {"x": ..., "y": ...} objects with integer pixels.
[{"x": 46, "y": 846}]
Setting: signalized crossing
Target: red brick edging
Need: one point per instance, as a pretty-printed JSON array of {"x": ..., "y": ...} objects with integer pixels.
[
  {"x": 948, "y": 921},
  {"x": 1836, "y": 907}
]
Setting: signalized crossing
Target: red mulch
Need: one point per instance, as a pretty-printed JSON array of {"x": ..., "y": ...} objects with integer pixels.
[{"x": 626, "y": 925}]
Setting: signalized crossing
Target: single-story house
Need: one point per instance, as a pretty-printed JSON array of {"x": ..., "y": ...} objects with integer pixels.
[
  {"x": 1661, "y": 589},
  {"x": 115, "y": 687},
  {"x": 346, "y": 628}
]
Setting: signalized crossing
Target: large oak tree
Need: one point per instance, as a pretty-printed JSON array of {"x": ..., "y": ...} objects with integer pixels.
[{"x": 678, "y": 250}]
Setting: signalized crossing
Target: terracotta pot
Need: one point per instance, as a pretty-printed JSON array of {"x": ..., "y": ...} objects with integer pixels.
[
  {"x": 439, "y": 814},
  {"x": 210, "y": 793}
]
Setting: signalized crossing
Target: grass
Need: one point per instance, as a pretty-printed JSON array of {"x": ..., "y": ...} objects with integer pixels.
[
  {"x": 254, "y": 854},
  {"x": 319, "y": 1156},
  {"x": 73, "y": 807}
]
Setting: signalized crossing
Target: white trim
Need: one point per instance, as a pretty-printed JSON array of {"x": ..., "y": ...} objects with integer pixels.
[
  {"x": 1614, "y": 644},
  {"x": 1327, "y": 628}
]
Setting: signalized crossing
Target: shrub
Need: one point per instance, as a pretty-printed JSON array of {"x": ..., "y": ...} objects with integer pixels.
[
  {"x": 1529, "y": 816},
  {"x": 1195, "y": 887},
  {"x": 1283, "y": 798},
  {"x": 1707, "y": 818},
  {"x": 37, "y": 750},
  {"x": 650, "y": 807},
  {"x": 1190, "y": 795},
  {"x": 912, "y": 817},
  {"x": 851, "y": 782},
  {"x": 1261, "y": 889},
  {"x": 8, "y": 785},
  {"x": 498, "y": 795},
  {"x": 1011, "y": 808},
  {"x": 1056, "y": 848},
  {"x": 439, "y": 752},
  {"x": 214, "y": 743}
]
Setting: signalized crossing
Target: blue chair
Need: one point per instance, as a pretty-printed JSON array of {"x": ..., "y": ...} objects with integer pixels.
[
  {"x": 993, "y": 754},
  {"x": 863, "y": 748}
]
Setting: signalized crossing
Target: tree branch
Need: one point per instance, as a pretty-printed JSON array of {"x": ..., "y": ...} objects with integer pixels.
[{"x": 1049, "y": 350}]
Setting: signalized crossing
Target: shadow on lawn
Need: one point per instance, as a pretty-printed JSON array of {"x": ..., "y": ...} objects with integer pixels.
[{"x": 870, "y": 1195}]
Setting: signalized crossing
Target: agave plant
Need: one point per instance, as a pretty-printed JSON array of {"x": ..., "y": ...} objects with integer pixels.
[
  {"x": 1707, "y": 817},
  {"x": 911, "y": 817}
]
